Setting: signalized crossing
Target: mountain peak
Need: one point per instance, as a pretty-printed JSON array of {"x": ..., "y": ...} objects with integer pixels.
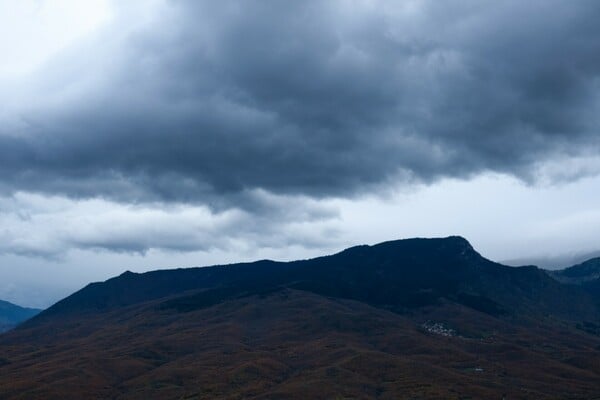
[
  {"x": 447, "y": 246},
  {"x": 455, "y": 242}
]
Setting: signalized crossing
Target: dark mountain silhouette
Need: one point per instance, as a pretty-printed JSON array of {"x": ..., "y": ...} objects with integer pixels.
[
  {"x": 398, "y": 275},
  {"x": 586, "y": 272},
  {"x": 422, "y": 318},
  {"x": 586, "y": 275},
  {"x": 11, "y": 315}
]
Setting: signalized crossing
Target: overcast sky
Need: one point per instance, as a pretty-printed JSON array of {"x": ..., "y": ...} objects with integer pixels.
[{"x": 152, "y": 134}]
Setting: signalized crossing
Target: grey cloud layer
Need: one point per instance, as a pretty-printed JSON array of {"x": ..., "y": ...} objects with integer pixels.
[
  {"x": 49, "y": 227},
  {"x": 209, "y": 101}
]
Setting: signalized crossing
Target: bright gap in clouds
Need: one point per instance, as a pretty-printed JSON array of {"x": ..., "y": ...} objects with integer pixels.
[
  {"x": 32, "y": 31},
  {"x": 502, "y": 217}
]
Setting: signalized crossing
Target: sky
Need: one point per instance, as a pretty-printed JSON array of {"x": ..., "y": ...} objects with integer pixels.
[{"x": 174, "y": 133}]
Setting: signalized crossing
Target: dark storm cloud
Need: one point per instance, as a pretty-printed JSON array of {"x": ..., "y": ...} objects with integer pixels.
[{"x": 211, "y": 101}]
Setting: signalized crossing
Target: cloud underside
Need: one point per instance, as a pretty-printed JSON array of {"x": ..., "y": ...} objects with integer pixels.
[
  {"x": 206, "y": 102},
  {"x": 48, "y": 227}
]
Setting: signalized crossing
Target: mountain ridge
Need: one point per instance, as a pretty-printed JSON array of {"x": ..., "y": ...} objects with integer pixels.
[{"x": 399, "y": 273}]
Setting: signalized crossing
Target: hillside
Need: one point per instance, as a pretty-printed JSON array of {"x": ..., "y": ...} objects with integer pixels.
[{"x": 420, "y": 318}]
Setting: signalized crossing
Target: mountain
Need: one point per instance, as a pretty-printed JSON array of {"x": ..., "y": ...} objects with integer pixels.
[
  {"x": 416, "y": 318},
  {"x": 12, "y": 315},
  {"x": 585, "y": 272},
  {"x": 586, "y": 275},
  {"x": 397, "y": 275},
  {"x": 554, "y": 263}
]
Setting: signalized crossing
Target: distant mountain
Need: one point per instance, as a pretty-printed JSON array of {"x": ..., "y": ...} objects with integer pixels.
[
  {"x": 585, "y": 272},
  {"x": 554, "y": 262},
  {"x": 12, "y": 315},
  {"x": 416, "y": 318},
  {"x": 585, "y": 275}
]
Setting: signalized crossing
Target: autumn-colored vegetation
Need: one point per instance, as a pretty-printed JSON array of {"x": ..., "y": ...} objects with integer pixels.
[{"x": 154, "y": 336}]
